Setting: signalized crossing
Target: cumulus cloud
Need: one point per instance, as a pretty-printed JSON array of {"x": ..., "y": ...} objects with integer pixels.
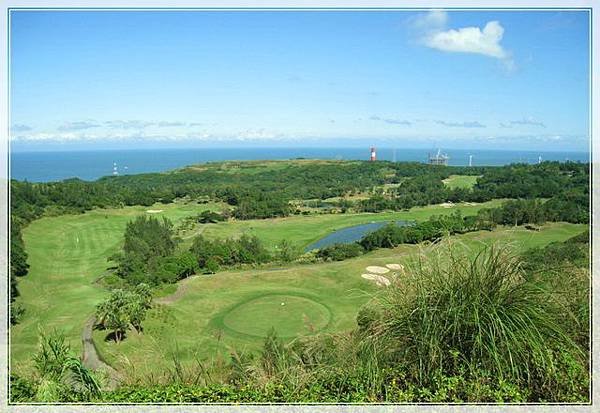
[
  {"x": 474, "y": 40},
  {"x": 19, "y": 127},
  {"x": 78, "y": 125},
  {"x": 391, "y": 121},
  {"x": 472, "y": 124},
  {"x": 128, "y": 124},
  {"x": 470, "y": 40}
]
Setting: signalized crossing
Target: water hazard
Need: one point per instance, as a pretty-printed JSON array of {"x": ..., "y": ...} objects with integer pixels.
[{"x": 351, "y": 234}]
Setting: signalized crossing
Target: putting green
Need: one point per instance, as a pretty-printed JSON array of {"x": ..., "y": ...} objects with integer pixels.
[{"x": 289, "y": 314}]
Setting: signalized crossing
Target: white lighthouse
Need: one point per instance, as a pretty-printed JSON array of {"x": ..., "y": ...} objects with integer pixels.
[{"x": 373, "y": 154}]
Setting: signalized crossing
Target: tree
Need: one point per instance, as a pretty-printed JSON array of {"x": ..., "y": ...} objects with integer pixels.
[
  {"x": 287, "y": 251},
  {"x": 147, "y": 241},
  {"x": 124, "y": 309}
]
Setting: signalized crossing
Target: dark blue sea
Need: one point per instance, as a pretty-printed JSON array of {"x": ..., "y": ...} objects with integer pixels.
[{"x": 91, "y": 165}]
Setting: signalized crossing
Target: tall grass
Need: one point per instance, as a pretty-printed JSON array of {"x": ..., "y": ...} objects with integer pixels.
[{"x": 455, "y": 312}]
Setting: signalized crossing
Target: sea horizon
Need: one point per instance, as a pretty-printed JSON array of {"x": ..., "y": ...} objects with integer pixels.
[{"x": 89, "y": 165}]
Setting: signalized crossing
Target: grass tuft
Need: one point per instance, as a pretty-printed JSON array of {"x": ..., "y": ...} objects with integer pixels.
[{"x": 454, "y": 312}]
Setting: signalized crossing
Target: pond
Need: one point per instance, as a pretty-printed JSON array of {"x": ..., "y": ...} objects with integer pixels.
[{"x": 351, "y": 234}]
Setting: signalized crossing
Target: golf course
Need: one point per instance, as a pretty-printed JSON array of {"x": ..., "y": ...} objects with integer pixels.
[{"x": 68, "y": 258}]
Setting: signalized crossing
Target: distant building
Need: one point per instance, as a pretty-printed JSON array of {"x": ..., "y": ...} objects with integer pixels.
[
  {"x": 373, "y": 154},
  {"x": 438, "y": 159}
]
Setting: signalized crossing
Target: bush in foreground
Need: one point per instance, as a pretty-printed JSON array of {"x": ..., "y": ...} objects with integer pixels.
[{"x": 456, "y": 315}]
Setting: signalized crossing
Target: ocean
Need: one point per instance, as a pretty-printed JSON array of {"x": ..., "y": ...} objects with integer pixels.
[{"x": 91, "y": 165}]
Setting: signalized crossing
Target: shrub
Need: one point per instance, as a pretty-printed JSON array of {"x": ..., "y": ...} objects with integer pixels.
[
  {"x": 340, "y": 252},
  {"x": 60, "y": 375},
  {"x": 479, "y": 314},
  {"x": 210, "y": 217}
]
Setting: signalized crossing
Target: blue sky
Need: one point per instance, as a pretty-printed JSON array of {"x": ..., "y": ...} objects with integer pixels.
[{"x": 456, "y": 79}]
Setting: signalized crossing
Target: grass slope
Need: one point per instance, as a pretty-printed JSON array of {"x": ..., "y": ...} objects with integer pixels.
[{"x": 66, "y": 255}]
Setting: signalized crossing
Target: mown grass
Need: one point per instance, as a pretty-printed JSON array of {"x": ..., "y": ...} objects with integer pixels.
[
  {"x": 67, "y": 254},
  {"x": 460, "y": 181}
]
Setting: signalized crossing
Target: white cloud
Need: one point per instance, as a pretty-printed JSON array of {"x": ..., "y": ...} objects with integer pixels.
[
  {"x": 169, "y": 124},
  {"x": 470, "y": 40},
  {"x": 259, "y": 134},
  {"x": 466, "y": 124},
  {"x": 128, "y": 124},
  {"x": 78, "y": 125},
  {"x": 474, "y": 40},
  {"x": 391, "y": 121}
]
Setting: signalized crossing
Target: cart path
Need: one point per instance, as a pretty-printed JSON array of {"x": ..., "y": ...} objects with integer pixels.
[{"x": 92, "y": 360}]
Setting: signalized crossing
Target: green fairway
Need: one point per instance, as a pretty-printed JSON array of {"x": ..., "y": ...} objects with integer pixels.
[
  {"x": 67, "y": 254},
  {"x": 460, "y": 181}
]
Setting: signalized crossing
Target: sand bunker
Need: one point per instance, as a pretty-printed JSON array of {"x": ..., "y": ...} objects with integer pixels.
[
  {"x": 447, "y": 205},
  {"x": 379, "y": 280},
  {"x": 154, "y": 211},
  {"x": 377, "y": 270},
  {"x": 395, "y": 266}
]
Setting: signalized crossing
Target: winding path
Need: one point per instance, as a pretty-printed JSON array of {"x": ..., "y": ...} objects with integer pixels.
[
  {"x": 181, "y": 289},
  {"x": 92, "y": 360}
]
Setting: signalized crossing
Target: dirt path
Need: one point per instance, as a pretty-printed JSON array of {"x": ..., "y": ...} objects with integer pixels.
[{"x": 92, "y": 360}]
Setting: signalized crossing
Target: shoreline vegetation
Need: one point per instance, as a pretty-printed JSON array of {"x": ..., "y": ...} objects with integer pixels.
[{"x": 471, "y": 295}]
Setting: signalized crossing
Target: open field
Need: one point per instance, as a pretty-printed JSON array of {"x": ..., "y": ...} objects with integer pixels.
[
  {"x": 460, "y": 181},
  {"x": 234, "y": 309}
]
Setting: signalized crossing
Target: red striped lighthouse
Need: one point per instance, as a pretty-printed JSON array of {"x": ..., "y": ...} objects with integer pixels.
[{"x": 373, "y": 154}]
